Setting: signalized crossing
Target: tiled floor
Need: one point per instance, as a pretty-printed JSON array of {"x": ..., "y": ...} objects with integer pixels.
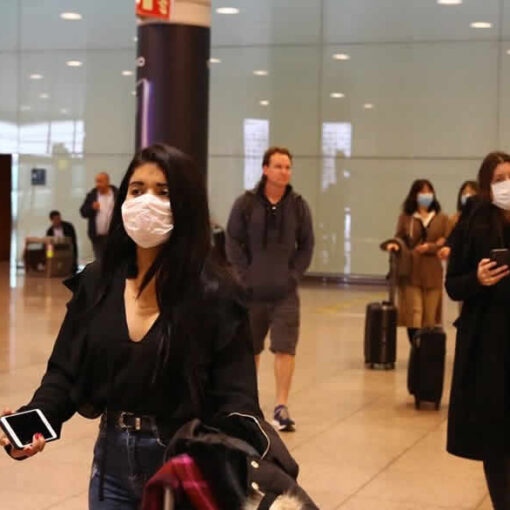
[{"x": 360, "y": 442}]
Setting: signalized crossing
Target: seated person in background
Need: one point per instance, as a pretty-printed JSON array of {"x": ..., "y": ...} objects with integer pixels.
[{"x": 61, "y": 228}]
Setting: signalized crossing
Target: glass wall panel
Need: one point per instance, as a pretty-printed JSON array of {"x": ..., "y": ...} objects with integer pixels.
[
  {"x": 392, "y": 91},
  {"x": 368, "y": 95},
  {"x": 268, "y": 22},
  {"x": 9, "y": 33},
  {"x": 66, "y": 104},
  {"x": 104, "y": 25},
  {"x": 68, "y": 180}
]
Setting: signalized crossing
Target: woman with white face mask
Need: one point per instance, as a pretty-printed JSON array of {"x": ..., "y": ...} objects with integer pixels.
[
  {"x": 420, "y": 233},
  {"x": 479, "y": 415},
  {"x": 154, "y": 337}
]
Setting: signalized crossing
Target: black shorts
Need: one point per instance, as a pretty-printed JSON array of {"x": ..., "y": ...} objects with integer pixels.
[{"x": 281, "y": 318}]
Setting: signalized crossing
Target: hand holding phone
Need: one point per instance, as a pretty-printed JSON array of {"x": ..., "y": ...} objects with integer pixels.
[
  {"x": 501, "y": 256},
  {"x": 489, "y": 273},
  {"x": 26, "y": 432}
]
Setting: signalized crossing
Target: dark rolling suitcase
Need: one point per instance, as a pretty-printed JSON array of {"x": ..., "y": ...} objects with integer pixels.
[
  {"x": 381, "y": 329},
  {"x": 425, "y": 374}
]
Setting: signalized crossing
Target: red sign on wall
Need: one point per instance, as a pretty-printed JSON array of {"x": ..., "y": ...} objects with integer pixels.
[{"x": 153, "y": 8}]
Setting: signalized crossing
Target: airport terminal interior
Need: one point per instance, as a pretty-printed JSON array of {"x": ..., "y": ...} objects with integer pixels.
[{"x": 368, "y": 95}]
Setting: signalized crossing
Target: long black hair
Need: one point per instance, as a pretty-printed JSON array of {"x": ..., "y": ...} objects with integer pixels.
[
  {"x": 466, "y": 184},
  {"x": 410, "y": 205},
  {"x": 179, "y": 264}
]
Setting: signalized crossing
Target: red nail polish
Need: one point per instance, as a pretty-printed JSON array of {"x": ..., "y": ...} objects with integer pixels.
[{"x": 39, "y": 436}]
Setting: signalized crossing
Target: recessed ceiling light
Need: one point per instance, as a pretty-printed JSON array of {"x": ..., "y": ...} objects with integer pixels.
[
  {"x": 481, "y": 24},
  {"x": 64, "y": 111},
  {"x": 261, "y": 72},
  {"x": 227, "y": 10},
  {"x": 368, "y": 106},
  {"x": 265, "y": 102},
  {"x": 25, "y": 108},
  {"x": 71, "y": 16},
  {"x": 44, "y": 95},
  {"x": 74, "y": 63},
  {"x": 341, "y": 56},
  {"x": 337, "y": 95},
  {"x": 449, "y": 2},
  {"x": 36, "y": 76},
  {"x": 133, "y": 92},
  {"x": 135, "y": 39},
  {"x": 127, "y": 73},
  {"x": 214, "y": 61},
  {"x": 508, "y": 52}
]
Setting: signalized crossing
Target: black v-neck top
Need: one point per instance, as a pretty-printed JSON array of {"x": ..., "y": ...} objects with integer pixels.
[
  {"x": 124, "y": 371},
  {"x": 195, "y": 362}
]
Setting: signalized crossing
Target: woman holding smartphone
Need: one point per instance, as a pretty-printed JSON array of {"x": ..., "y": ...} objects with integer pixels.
[
  {"x": 421, "y": 232},
  {"x": 479, "y": 414},
  {"x": 154, "y": 337}
]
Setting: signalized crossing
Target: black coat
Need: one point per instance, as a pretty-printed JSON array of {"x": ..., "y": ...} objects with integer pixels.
[
  {"x": 478, "y": 422},
  {"x": 211, "y": 367},
  {"x": 87, "y": 211},
  {"x": 233, "y": 463},
  {"x": 69, "y": 231}
]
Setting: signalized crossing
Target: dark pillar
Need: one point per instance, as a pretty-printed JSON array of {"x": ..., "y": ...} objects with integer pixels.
[
  {"x": 173, "y": 80},
  {"x": 5, "y": 207}
]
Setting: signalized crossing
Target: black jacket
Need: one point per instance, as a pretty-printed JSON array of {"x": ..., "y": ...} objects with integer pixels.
[
  {"x": 211, "y": 368},
  {"x": 270, "y": 246},
  {"x": 88, "y": 212},
  {"x": 233, "y": 463},
  {"x": 69, "y": 231},
  {"x": 478, "y": 415}
]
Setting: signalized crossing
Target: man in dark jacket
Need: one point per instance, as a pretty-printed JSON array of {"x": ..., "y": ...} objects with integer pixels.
[
  {"x": 61, "y": 228},
  {"x": 270, "y": 244},
  {"x": 98, "y": 209}
]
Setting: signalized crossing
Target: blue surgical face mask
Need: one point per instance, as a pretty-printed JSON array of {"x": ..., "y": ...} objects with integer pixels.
[{"x": 425, "y": 199}]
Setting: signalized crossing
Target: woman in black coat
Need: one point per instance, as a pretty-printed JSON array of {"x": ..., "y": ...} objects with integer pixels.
[
  {"x": 479, "y": 414},
  {"x": 154, "y": 337}
]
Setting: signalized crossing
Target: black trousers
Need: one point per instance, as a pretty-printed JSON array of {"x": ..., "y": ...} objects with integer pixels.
[
  {"x": 497, "y": 474},
  {"x": 99, "y": 245}
]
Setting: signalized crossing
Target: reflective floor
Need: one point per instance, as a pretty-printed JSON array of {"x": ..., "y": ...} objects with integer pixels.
[{"x": 360, "y": 442}]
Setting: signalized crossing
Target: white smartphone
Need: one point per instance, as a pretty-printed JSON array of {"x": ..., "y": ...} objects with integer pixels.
[{"x": 20, "y": 428}]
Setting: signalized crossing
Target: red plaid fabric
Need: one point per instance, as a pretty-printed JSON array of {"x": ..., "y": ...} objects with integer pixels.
[{"x": 184, "y": 478}]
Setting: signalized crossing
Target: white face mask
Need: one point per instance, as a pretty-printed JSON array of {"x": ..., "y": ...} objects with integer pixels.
[
  {"x": 148, "y": 220},
  {"x": 501, "y": 194}
]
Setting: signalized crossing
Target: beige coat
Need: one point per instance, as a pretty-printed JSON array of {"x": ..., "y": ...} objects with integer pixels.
[{"x": 426, "y": 270}]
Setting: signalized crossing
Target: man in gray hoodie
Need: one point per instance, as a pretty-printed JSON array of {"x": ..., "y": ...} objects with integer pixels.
[{"x": 269, "y": 243}]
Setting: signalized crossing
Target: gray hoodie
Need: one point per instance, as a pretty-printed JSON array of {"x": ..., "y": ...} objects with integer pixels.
[{"x": 270, "y": 246}]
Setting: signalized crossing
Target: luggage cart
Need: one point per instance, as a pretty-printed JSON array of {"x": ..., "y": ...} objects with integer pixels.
[{"x": 48, "y": 256}]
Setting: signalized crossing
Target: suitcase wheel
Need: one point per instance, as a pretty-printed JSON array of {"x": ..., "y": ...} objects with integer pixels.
[
  {"x": 438, "y": 405},
  {"x": 416, "y": 403},
  {"x": 389, "y": 366}
]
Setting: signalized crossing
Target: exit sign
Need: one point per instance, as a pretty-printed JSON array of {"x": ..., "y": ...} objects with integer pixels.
[{"x": 154, "y": 8}]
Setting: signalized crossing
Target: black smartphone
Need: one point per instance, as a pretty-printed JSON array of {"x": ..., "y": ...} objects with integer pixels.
[
  {"x": 501, "y": 256},
  {"x": 20, "y": 428}
]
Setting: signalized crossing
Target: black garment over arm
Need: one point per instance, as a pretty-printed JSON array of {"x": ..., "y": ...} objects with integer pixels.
[{"x": 462, "y": 272}]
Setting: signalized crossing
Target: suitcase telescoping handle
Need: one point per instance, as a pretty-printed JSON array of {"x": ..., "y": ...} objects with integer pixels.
[{"x": 393, "y": 277}]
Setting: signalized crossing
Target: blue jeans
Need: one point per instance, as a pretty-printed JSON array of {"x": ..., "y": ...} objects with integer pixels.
[{"x": 131, "y": 459}]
